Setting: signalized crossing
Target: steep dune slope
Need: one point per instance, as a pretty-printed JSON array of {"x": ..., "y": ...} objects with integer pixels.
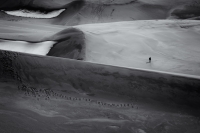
[
  {"x": 43, "y": 40},
  {"x": 70, "y": 44},
  {"x": 69, "y": 93},
  {"x": 114, "y": 89},
  {"x": 25, "y": 68}
]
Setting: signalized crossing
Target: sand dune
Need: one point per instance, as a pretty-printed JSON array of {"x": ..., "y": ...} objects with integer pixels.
[
  {"x": 86, "y": 12},
  {"x": 83, "y": 77},
  {"x": 70, "y": 44},
  {"x": 75, "y": 78},
  {"x": 173, "y": 45},
  {"x": 53, "y": 90},
  {"x": 43, "y": 40}
]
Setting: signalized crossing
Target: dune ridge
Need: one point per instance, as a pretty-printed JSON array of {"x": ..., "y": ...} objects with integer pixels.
[
  {"x": 88, "y": 69},
  {"x": 41, "y": 91},
  {"x": 135, "y": 43},
  {"x": 44, "y": 40},
  {"x": 71, "y": 44},
  {"x": 86, "y": 12},
  {"x": 89, "y": 77}
]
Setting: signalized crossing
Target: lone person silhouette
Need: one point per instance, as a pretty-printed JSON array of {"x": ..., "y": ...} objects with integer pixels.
[{"x": 149, "y": 59}]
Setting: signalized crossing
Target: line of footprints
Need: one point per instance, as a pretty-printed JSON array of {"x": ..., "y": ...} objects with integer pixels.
[{"x": 48, "y": 93}]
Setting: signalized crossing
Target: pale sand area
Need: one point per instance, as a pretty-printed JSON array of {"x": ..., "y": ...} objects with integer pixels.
[
  {"x": 32, "y": 48},
  {"x": 173, "y": 45},
  {"x": 34, "y": 14}
]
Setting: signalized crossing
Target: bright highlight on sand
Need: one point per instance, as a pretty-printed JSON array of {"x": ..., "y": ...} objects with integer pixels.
[
  {"x": 41, "y": 48},
  {"x": 34, "y": 14}
]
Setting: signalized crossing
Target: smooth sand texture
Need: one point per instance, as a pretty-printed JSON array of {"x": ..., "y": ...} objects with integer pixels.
[
  {"x": 113, "y": 89},
  {"x": 173, "y": 45},
  {"x": 47, "y": 91}
]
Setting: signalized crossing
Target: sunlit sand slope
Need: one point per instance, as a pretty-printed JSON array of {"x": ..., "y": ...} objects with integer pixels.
[
  {"x": 172, "y": 45},
  {"x": 39, "y": 92}
]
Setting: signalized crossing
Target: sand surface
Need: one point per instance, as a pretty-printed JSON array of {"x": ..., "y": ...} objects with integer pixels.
[
  {"x": 172, "y": 45},
  {"x": 81, "y": 66},
  {"x": 76, "y": 96},
  {"x": 32, "y": 14},
  {"x": 90, "y": 11}
]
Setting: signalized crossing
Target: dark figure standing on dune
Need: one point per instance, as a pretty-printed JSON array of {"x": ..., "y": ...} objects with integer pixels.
[{"x": 149, "y": 59}]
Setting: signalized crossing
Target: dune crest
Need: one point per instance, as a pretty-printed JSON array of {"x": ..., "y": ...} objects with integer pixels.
[
  {"x": 71, "y": 44},
  {"x": 100, "y": 66},
  {"x": 88, "y": 11}
]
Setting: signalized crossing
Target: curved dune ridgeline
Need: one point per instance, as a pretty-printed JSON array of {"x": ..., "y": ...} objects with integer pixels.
[
  {"x": 87, "y": 66},
  {"x": 70, "y": 44},
  {"x": 173, "y": 45},
  {"x": 94, "y": 11},
  {"x": 82, "y": 77},
  {"x": 58, "y": 41},
  {"x": 39, "y": 92},
  {"x": 186, "y": 12},
  {"x": 71, "y": 10}
]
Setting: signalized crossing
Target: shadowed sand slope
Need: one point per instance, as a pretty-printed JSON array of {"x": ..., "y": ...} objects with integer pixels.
[
  {"x": 69, "y": 93},
  {"x": 43, "y": 40},
  {"x": 25, "y": 68},
  {"x": 71, "y": 44}
]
